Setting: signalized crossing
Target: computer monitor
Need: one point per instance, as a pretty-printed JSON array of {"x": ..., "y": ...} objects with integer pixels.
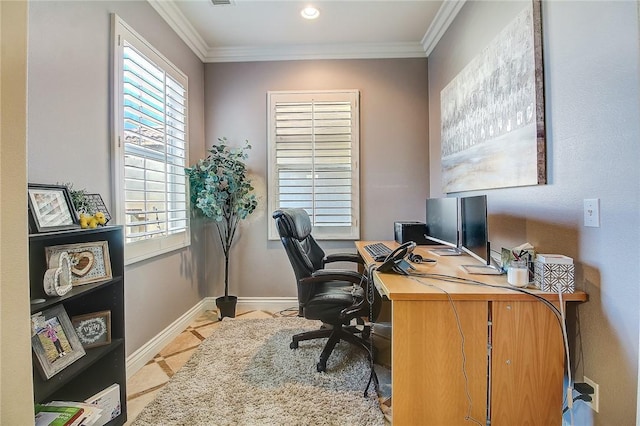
[
  {"x": 474, "y": 235},
  {"x": 442, "y": 224}
]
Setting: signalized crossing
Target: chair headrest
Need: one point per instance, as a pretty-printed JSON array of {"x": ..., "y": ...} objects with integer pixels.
[{"x": 296, "y": 221}]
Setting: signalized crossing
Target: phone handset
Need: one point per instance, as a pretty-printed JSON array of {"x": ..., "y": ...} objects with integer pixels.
[{"x": 394, "y": 262}]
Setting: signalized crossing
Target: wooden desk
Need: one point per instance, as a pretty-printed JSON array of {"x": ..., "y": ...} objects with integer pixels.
[{"x": 461, "y": 350}]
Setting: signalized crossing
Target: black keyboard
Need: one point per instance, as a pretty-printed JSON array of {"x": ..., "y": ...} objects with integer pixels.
[{"x": 379, "y": 251}]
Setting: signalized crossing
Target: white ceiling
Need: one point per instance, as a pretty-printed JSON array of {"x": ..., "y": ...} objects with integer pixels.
[{"x": 259, "y": 30}]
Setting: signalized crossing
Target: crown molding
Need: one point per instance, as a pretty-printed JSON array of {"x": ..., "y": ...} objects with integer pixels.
[
  {"x": 168, "y": 10},
  {"x": 319, "y": 51},
  {"x": 181, "y": 25},
  {"x": 446, "y": 14}
]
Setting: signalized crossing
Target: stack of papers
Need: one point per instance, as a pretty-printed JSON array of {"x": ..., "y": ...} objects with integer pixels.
[{"x": 108, "y": 400}]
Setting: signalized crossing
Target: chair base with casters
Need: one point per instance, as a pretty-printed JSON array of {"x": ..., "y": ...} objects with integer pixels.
[
  {"x": 335, "y": 334},
  {"x": 337, "y": 304},
  {"x": 348, "y": 333}
]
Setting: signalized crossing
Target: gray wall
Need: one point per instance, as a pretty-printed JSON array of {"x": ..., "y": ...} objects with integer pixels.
[
  {"x": 393, "y": 150},
  {"x": 591, "y": 57},
  {"x": 69, "y": 131}
]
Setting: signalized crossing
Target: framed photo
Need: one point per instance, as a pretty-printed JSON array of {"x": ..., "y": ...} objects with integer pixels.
[
  {"x": 94, "y": 204},
  {"x": 90, "y": 262},
  {"x": 54, "y": 341},
  {"x": 93, "y": 329},
  {"x": 51, "y": 208}
]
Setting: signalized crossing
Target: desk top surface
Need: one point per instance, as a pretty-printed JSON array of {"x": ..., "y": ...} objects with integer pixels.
[{"x": 433, "y": 281}]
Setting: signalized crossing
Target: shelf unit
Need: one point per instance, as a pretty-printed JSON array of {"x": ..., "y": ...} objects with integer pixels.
[{"x": 102, "y": 366}]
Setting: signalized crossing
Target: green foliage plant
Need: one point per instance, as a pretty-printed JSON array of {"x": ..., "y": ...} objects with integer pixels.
[
  {"x": 221, "y": 191},
  {"x": 78, "y": 198}
]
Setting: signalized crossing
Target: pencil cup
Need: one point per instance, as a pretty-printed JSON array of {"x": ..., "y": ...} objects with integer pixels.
[{"x": 518, "y": 273}]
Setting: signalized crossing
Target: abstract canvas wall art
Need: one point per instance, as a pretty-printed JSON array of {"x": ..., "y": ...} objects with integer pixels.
[{"x": 492, "y": 128}]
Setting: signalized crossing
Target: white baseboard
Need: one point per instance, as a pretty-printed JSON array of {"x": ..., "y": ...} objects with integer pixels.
[
  {"x": 144, "y": 354},
  {"x": 271, "y": 304}
]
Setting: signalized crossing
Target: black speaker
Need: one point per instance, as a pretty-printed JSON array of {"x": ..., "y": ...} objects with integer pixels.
[{"x": 410, "y": 231}]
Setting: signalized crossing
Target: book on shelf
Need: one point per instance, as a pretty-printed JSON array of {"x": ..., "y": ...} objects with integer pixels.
[
  {"x": 109, "y": 401},
  {"x": 90, "y": 415},
  {"x": 47, "y": 415}
]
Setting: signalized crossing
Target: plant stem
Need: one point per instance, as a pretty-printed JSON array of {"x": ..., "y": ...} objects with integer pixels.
[{"x": 226, "y": 277}]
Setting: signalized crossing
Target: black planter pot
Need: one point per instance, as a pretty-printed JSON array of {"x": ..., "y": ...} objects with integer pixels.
[{"x": 226, "y": 306}]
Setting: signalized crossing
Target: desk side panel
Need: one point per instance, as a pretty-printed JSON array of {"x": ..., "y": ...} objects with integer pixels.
[{"x": 433, "y": 383}]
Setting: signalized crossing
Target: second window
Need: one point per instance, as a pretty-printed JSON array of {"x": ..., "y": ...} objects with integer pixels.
[{"x": 314, "y": 142}]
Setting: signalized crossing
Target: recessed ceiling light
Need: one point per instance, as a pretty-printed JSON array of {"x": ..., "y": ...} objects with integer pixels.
[{"x": 310, "y": 12}]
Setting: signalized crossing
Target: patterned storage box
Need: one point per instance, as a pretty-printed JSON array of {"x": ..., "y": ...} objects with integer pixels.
[{"x": 554, "y": 276}]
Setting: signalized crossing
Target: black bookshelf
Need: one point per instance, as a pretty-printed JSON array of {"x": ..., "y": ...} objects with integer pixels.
[{"x": 104, "y": 365}]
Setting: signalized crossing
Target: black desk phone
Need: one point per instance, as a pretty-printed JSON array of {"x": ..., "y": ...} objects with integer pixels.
[{"x": 396, "y": 262}]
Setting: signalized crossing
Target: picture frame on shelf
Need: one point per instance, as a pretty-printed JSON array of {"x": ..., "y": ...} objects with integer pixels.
[
  {"x": 93, "y": 329},
  {"x": 51, "y": 208},
  {"x": 90, "y": 262},
  {"x": 54, "y": 342},
  {"x": 95, "y": 204}
]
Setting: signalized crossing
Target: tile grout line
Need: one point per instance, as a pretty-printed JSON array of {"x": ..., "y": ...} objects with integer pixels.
[{"x": 144, "y": 392}]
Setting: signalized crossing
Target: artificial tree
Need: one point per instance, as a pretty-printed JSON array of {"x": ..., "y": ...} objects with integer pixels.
[{"x": 221, "y": 191}]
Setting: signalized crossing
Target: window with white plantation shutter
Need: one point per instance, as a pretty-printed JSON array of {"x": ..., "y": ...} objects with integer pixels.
[
  {"x": 313, "y": 159},
  {"x": 151, "y": 146}
]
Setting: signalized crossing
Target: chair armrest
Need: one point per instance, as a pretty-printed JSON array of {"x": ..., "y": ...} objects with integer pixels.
[
  {"x": 324, "y": 275},
  {"x": 344, "y": 257}
]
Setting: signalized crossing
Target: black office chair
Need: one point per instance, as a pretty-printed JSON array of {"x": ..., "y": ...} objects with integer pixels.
[{"x": 334, "y": 296}]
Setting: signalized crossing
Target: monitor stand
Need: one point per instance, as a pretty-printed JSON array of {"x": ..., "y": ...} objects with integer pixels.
[
  {"x": 483, "y": 269},
  {"x": 446, "y": 252}
]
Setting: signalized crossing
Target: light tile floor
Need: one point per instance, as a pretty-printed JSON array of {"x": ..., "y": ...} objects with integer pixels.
[{"x": 145, "y": 384}]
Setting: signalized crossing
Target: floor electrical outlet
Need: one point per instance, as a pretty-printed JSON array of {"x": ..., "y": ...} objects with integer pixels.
[{"x": 595, "y": 398}]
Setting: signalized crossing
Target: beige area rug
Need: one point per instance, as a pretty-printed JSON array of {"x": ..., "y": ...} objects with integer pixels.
[{"x": 246, "y": 374}]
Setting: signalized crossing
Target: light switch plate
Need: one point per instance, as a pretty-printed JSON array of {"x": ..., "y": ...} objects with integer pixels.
[{"x": 592, "y": 212}]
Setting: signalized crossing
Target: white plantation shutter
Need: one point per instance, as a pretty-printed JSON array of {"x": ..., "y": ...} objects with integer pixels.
[
  {"x": 151, "y": 146},
  {"x": 314, "y": 145}
]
